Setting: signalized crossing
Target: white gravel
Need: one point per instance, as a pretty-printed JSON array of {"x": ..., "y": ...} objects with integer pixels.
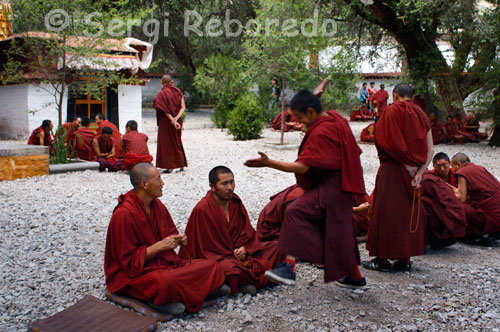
[{"x": 53, "y": 229}]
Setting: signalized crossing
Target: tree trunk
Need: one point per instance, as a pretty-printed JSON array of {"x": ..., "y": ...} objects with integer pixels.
[
  {"x": 282, "y": 137},
  {"x": 495, "y": 138},
  {"x": 447, "y": 88}
]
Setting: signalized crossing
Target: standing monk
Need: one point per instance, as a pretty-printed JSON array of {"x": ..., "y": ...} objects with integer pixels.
[
  {"x": 219, "y": 228},
  {"x": 42, "y": 136},
  {"x": 140, "y": 260},
  {"x": 381, "y": 97},
  {"x": 479, "y": 191},
  {"x": 117, "y": 137},
  {"x": 169, "y": 105},
  {"x": 318, "y": 225},
  {"x": 404, "y": 142},
  {"x": 84, "y": 137}
]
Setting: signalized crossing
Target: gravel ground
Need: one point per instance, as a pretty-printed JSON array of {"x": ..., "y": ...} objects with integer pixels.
[{"x": 53, "y": 229}]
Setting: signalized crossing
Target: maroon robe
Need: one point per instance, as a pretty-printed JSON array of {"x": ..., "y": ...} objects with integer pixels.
[
  {"x": 169, "y": 149},
  {"x": 117, "y": 136},
  {"x": 437, "y": 133},
  {"x": 34, "y": 140},
  {"x": 70, "y": 138},
  {"x": 471, "y": 121},
  {"x": 106, "y": 147},
  {"x": 444, "y": 215},
  {"x": 366, "y": 136},
  {"x": 165, "y": 278},
  {"x": 361, "y": 219},
  {"x": 483, "y": 207},
  {"x": 381, "y": 97},
  {"x": 452, "y": 179},
  {"x": 211, "y": 236},
  {"x": 135, "y": 149},
  {"x": 401, "y": 138},
  {"x": 452, "y": 134},
  {"x": 363, "y": 114},
  {"x": 271, "y": 216},
  {"x": 318, "y": 226},
  {"x": 83, "y": 147},
  {"x": 276, "y": 124},
  {"x": 459, "y": 125}
]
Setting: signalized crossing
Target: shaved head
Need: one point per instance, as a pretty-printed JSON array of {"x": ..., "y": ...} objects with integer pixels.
[
  {"x": 166, "y": 79},
  {"x": 460, "y": 158},
  {"x": 141, "y": 172},
  {"x": 403, "y": 90}
]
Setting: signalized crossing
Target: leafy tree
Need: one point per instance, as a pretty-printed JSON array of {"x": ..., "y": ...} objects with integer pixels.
[{"x": 245, "y": 120}]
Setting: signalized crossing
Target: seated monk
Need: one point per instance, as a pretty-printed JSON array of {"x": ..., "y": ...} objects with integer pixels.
[
  {"x": 219, "y": 228},
  {"x": 140, "y": 260},
  {"x": 117, "y": 136},
  {"x": 104, "y": 150},
  {"x": 437, "y": 130},
  {"x": 271, "y": 216},
  {"x": 459, "y": 125},
  {"x": 363, "y": 114},
  {"x": 291, "y": 122},
  {"x": 84, "y": 137},
  {"x": 451, "y": 132},
  {"x": 472, "y": 125},
  {"x": 444, "y": 217},
  {"x": 361, "y": 215},
  {"x": 42, "y": 136},
  {"x": 134, "y": 147},
  {"x": 68, "y": 132},
  {"x": 479, "y": 191},
  {"x": 367, "y": 134},
  {"x": 441, "y": 164}
]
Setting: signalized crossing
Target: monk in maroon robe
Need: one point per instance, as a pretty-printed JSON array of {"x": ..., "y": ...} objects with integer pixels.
[
  {"x": 441, "y": 164},
  {"x": 437, "y": 130},
  {"x": 271, "y": 216},
  {"x": 404, "y": 142},
  {"x": 104, "y": 150},
  {"x": 68, "y": 130},
  {"x": 363, "y": 114},
  {"x": 459, "y": 125},
  {"x": 381, "y": 97},
  {"x": 84, "y": 137},
  {"x": 318, "y": 225},
  {"x": 140, "y": 260},
  {"x": 117, "y": 136},
  {"x": 169, "y": 105},
  {"x": 444, "y": 216},
  {"x": 367, "y": 134},
  {"x": 451, "y": 132},
  {"x": 134, "y": 147},
  {"x": 42, "y": 135},
  {"x": 361, "y": 215},
  {"x": 291, "y": 123},
  {"x": 220, "y": 229},
  {"x": 472, "y": 125},
  {"x": 479, "y": 191}
]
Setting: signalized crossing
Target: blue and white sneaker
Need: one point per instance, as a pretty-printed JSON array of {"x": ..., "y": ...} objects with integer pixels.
[{"x": 282, "y": 274}]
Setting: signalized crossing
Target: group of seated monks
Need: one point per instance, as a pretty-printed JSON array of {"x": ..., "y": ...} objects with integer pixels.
[
  {"x": 461, "y": 201},
  {"x": 106, "y": 145}
]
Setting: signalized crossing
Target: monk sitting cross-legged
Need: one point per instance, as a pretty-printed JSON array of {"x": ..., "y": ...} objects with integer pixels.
[
  {"x": 117, "y": 137},
  {"x": 84, "y": 137},
  {"x": 367, "y": 134},
  {"x": 317, "y": 226},
  {"x": 479, "y": 192},
  {"x": 104, "y": 150},
  {"x": 134, "y": 146},
  {"x": 438, "y": 136},
  {"x": 42, "y": 135},
  {"x": 140, "y": 260},
  {"x": 291, "y": 123},
  {"x": 219, "y": 228}
]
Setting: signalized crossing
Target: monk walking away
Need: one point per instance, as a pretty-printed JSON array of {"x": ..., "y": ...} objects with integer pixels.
[
  {"x": 219, "y": 228},
  {"x": 140, "y": 260},
  {"x": 404, "y": 143},
  {"x": 479, "y": 192},
  {"x": 318, "y": 225},
  {"x": 169, "y": 105}
]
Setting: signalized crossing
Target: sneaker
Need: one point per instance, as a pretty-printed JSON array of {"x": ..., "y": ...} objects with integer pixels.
[
  {"x": 283, "y": 274},
  {"x": 376, "y": 265},
  {"x": 402, "y": 267},
  {"x": 223, "y": 290},
  {"x": 348, "y": 282},
  {"x": 248, "y": 289}
]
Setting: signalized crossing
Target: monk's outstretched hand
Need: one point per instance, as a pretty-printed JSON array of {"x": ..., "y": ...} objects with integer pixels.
[{"x": 263, "y": 161}]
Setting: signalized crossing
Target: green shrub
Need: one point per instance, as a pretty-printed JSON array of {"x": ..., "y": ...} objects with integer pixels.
[{"x": 245, "y": 120}]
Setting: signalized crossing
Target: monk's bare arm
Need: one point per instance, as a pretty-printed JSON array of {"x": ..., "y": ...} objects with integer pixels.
[
  {"x": 168, "y": 243},
  {"x": 41, "y": 136},
  {"x": 462, "y": 189},
  {"x": 97, "y": 151},
  {"x": 112, "y": 153},
  {"x": 264, "y": 161},
  {"x": 415, "y": 182},
  {"x": 181, "y": 111}
]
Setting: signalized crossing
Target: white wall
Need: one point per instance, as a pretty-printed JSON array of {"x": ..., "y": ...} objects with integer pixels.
[
  {"x": 152, "y": 88},
  {"x": 129, "y": 105},
  {"x": 42, "y": 105},
  {"x": 14, "y": 111}
]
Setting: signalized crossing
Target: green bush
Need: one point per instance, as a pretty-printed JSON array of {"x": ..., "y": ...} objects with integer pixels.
[{"x": 245, "y": 120}]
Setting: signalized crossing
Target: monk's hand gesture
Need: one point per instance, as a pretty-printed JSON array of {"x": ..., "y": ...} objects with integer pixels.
[
  {"x": 416, "y": 180},
  {"x": 183, "y": 240},
  {"x": 169, "y": 243},
  {"x": 240, "y": 253},
  {"x": 263, "y": 161}
]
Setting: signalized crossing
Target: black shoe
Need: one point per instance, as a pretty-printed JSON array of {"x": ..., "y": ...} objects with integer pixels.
[
  {"x": 443, "y": 244},
  {"x": 282, "y": 274},
  {"x": 479, "y": 241},
  {"x": 376, "y": 265},
  {"x": 495, "y": 236},
  {"x": 348, "y": 282},
  {"x": 402, "y": 267}
]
